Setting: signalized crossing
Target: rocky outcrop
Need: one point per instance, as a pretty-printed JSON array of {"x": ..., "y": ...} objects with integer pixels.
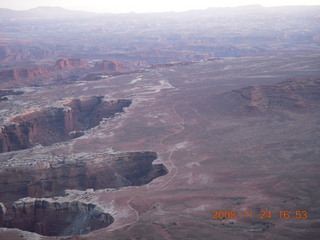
[
  {"x": 17, "y": 74},
  {"x": 22, "y": 73},
  {"x": 57, "y": 124},
  {"x": 100, "y": 171},
  {"x": 52, "y": 218},
  {"x": 110, "y": 66},
  {"x": 68, "y": 63},
  {"x": 295, "y": 95}
]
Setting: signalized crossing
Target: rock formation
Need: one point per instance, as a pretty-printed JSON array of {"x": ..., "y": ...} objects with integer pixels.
[
  {"x": 57, "y": 124},
  {"x": 110, "y": 66},
  {"x": 295, "y": 95},
  {"x": 16, "y": 74},
  {"x": 22, "y": 73},
  {"x": 98, "y": 172},
  {"x": 54, "y": 218},
  {"x": 68, "y": 63}
]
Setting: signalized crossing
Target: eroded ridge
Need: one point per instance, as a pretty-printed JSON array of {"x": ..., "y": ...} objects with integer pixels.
[
  {"x": 57, "y": 124},
  {"x": 298, "y": 95},
  {"x": 98, "y": 171},
  {"x": 53, "y": 218}
]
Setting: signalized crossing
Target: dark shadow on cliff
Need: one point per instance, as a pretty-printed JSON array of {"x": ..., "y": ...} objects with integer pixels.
[{"x": 57, "y": 124}]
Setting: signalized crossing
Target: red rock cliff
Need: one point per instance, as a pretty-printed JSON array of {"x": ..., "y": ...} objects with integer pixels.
[
  {"x": 51, "y": 125},
  {"x": 68, "y": 63},
  {"x": 52, "y": 218},
  {"x": 110, "y": 66},
  {"x": 22, "y": 73},
  {"x": 99, "y": 171}
]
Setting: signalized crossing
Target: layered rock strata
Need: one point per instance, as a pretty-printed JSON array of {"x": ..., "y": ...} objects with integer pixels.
[
  {"x": 22, "y": 73},
  {"x": 51, "y": 178},
  {"x": 52, "y": 218},
  {"x": 28, "y": 74},
  {"x": 56, "y": 124},
  {"x": 68, "y": 63}
]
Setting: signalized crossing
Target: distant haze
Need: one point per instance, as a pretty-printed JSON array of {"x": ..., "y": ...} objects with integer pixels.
[{"x": 121, "y": 6}]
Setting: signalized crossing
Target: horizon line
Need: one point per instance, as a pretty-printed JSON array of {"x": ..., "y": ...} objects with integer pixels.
[{"x": 167, "y": 11}]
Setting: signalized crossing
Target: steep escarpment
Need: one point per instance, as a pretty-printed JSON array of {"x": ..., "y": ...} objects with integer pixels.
[
  {"x": 26, "y": 74},
  {"x": 22, "y": 73},
  {"x": 110, "y": 66},
  {"x": 57, "y": 124},
  {"x": 52, "y": 218},
  {"x": 295, "y": 95},
  {"x": 113, "y": 68},
  {"x": 52, "y": 177},
  {"x": 68, "y": 63}
]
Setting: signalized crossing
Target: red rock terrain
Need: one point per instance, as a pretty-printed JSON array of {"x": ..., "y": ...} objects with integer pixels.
[
  {"x": 227, "y": 136},
  {"x": 27, "y": 76},
  {"x": 68, "y": 63},
  {"x": 110, "y": 66},
  {"x": 22, "y": 73},
  {"x": 216, "y": 157},
  {"x": 51, "y": 125},
  {"x": 66, "y": 70}
]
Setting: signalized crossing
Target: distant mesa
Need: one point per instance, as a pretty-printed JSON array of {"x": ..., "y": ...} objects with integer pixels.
[
  {"x": 67, "y": 63},
  {"x": 22, "y": 73},
  {"x": 110, "y": 66},
  {"x": 67, "y": 70},
  {"x": 16, "y": 74}
]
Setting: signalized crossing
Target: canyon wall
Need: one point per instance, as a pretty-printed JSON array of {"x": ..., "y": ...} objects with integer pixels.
[
  {"x": 16, "y": 74},
  {"x": 57, "y": 124},
  {"x": 54, "y": 218},
  {"x": 68, "y": 63},
  {"x": 110, "y": 66},
  {"x": 22, "y": 73},
  {"x": 95, "y": 172}
]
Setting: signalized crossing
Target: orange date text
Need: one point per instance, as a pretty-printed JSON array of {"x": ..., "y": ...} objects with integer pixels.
[{"x": 262, "y": 214}]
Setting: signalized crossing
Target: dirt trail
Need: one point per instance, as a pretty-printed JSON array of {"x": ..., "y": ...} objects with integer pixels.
[{"x": 173, "y": 168}]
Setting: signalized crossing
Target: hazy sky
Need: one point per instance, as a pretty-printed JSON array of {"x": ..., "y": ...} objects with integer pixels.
[{"x": 118, "y": 6}]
